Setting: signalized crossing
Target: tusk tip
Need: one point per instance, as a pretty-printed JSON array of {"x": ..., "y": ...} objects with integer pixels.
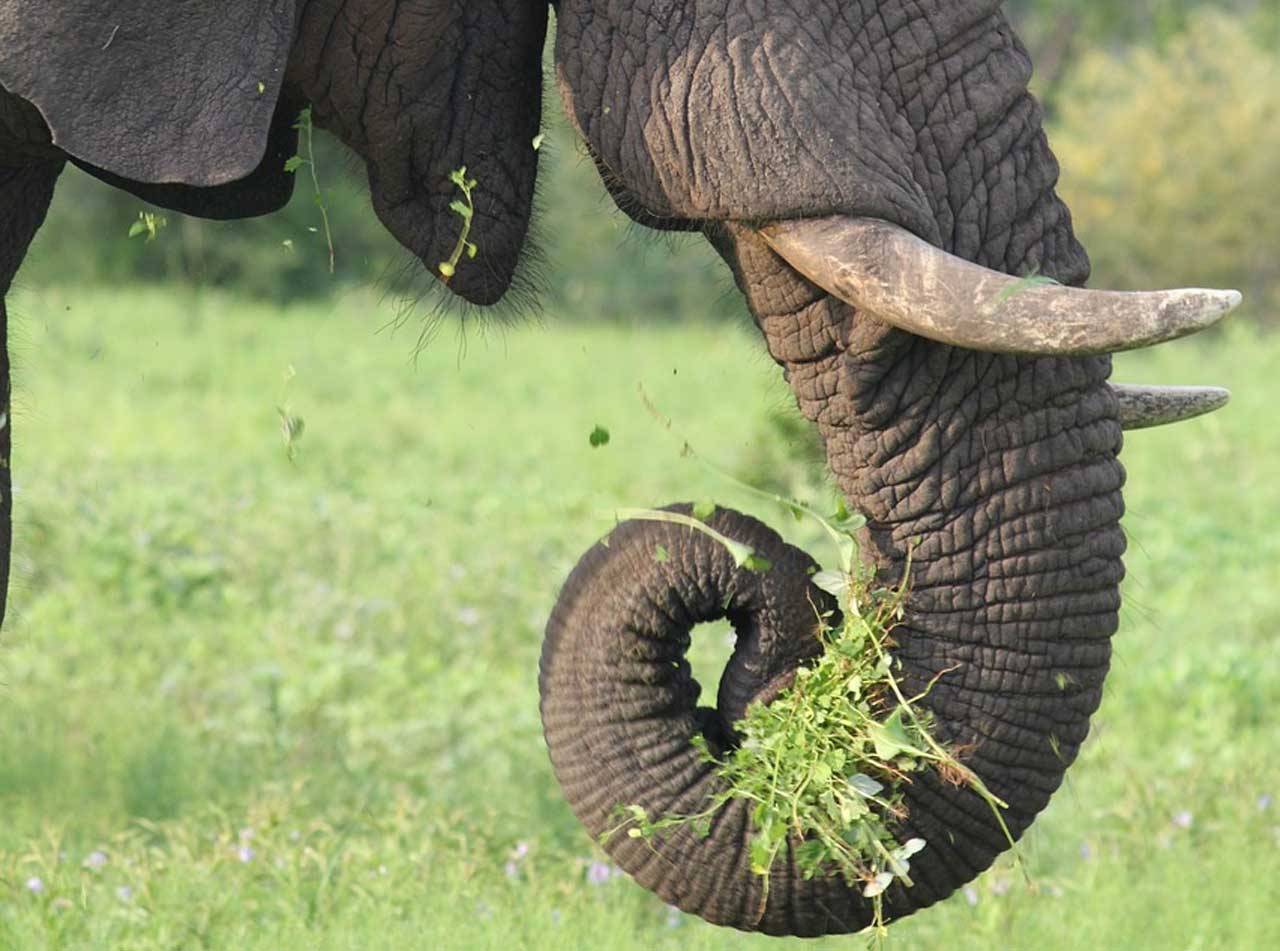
[
  {"x": 1210, "y": 399},
  {"x": 1197, "y": 308},
  {"x": 1142, "y": 407}
]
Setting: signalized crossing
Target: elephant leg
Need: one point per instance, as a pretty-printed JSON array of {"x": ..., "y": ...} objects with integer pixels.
[{"x": 25, "y": 193}]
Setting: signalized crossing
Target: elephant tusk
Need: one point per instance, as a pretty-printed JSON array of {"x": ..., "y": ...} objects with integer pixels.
[
  {"x": 906, "y": 282},
  {"x": 1142, "y": 407}
]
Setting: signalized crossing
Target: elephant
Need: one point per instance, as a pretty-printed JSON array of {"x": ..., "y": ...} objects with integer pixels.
[{"x": 877, "y": 177}]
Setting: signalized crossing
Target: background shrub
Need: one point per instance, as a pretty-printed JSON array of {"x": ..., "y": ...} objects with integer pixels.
[{"x": 1155, "y": 143}]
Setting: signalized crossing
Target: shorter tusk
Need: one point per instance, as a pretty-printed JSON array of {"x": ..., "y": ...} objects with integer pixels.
[
  {"x": 887, "y": 271},
  {"x": 1142, "y": 407}
]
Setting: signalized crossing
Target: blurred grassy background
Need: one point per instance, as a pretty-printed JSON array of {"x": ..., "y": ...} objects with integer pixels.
[{"x": 254, "y": 703}]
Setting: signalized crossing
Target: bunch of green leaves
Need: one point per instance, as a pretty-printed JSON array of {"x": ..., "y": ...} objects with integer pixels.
[{"x": 825, "y": 764}]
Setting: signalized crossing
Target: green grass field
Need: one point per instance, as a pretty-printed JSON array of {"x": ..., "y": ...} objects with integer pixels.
[{"x": 251, "y": 703}]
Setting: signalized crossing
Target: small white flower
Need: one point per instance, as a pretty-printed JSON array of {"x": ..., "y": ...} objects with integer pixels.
[
  {"x": 971, "y": 895},
  {"x": 35, "y": 885},
  {"x": 245, "y": 854},
  {"x": 877, "y": 886},
  {"x": 1184, "y": 819},
  {"x": 124, "y": 893},
  {"x": 95, "y": 860}
]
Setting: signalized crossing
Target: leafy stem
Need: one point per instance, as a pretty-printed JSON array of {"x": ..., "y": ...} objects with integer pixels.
[
  {"x": 308, "y": 159},
  {"x": 840, "y": 527},
  {"x": 465, "y": 209},
  {"x": 744, "y": 556}
]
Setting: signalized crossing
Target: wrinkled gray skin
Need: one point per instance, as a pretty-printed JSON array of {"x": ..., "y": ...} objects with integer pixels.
[{"x": 999, "y": 472}]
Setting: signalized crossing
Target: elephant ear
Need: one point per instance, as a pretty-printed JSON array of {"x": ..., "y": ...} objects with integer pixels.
[
  {"x": 177, "y": 91},
  {"x": 266, "y": 189}
]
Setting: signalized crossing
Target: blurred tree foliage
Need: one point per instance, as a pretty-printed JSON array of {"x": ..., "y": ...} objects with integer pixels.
[
  {"x": 1059, "y": 31},
  {"x": 1152, "y": 22},
  {"x": 1164, "y": 118},
  {"x": 1171, "y": 161}
]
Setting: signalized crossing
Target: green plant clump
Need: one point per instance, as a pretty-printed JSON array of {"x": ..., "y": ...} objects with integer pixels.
[{"x": 825, "y": 764}]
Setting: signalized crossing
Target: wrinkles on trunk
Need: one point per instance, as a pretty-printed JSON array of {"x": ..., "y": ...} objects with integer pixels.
[
  {"x": 619, "y": 703},
  {"x": 997, "y": 476}
]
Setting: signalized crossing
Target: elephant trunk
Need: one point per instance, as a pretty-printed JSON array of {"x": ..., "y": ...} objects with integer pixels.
[
  {"x": 997, "y": 478},
  {"x": 996, "y": 474},
  {"x": 620, "y": 707}
]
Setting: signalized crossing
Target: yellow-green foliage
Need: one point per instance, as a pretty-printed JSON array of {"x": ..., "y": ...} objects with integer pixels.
[{"x": 1156, "y": 145}]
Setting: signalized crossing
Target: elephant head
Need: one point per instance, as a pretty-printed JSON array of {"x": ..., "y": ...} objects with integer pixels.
[
  {"x": 877, "y": 178},
  {"x": 191, "y": 105},
  {"x": 873, "y": 173}
]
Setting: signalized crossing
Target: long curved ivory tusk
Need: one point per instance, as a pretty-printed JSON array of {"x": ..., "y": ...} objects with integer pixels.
[
  {"x": 907, "y": 282},
  {"x": 1142, "y": 407}
]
